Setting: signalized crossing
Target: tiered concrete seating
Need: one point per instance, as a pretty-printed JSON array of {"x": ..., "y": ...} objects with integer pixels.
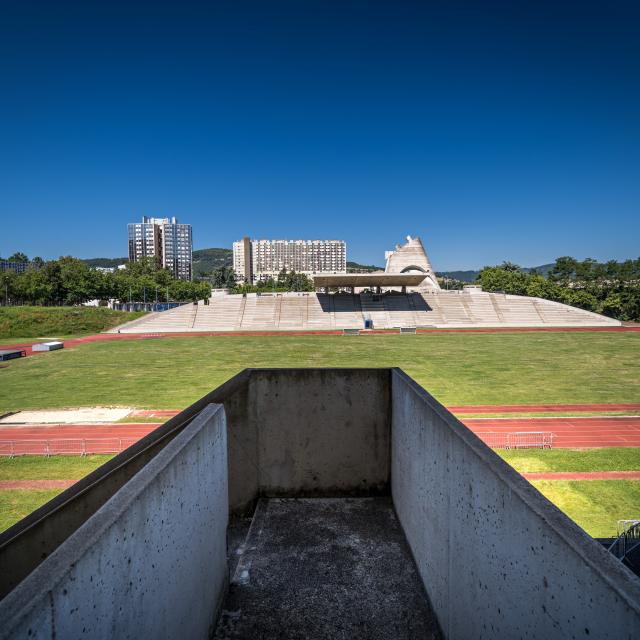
[
  {"x": 318, "y": 315},
  {"x": 517, "y": 310},
  {"x": 426, "y": 309},
  {"x": 374, "y": 310},
  {"x": 400, "y": 310},
  {"x": 259, "y": 313},
  {"x": 559, "y": 314},
  {"x": 452, "y": 309},
  {"x": 481, "y": 308},
  {"x": 173, "y": 321},
  {"x": 348, "y": 312},
  {"x": 221, "y": 314},
  {"x": 321, "y": 312},
  {"x": 293, "y": 311}
]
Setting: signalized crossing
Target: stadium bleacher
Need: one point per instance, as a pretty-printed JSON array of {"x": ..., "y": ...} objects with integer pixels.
[{"x": 322, "y": 312}]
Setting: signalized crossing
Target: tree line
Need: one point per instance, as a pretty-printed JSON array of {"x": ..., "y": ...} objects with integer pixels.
[
  {"x": 69, "y": 281},
  {"x": 611, "y": 288},
  {"x": 225, "y": 278}
]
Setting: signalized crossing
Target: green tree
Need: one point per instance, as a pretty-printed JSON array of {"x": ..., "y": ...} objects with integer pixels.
[
  {"x": 18, "y": 256},
  {"x": 499, "y": 279}
]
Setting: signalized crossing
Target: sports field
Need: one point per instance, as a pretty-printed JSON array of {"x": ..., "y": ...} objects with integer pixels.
[{"x": 457, "y": 368}]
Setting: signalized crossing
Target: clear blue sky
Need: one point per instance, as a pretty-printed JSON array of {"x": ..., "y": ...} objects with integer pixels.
[{"x": 495, "y": 131}]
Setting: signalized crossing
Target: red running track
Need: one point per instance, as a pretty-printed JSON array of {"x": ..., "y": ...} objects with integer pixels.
[
  {"x": 75, "y": 431},
  {"x": 544, "y": 408},
  {"x": 568, "y": 433},
  {"x": 574, "y": 432}
]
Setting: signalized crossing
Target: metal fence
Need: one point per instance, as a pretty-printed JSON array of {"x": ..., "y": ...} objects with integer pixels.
[
  {"x": 77, "y": 447},
  {"x": 518, "y": 440}
]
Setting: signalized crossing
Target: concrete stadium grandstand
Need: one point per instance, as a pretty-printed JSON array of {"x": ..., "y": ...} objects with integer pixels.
[{"x": 405, "y": 295}]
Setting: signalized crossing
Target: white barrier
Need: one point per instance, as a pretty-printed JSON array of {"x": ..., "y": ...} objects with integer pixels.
[
  {"x": 77, "y": 446},
  {"x": 517, "y": 440}
]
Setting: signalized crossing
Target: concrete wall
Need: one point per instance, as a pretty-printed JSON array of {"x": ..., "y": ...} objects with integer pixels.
[
  {"x": 311, "y": 432},
  {"x": 497, "y": 559},
  {"x": 150, "y": 563},
  {"x": 26, "y": 544}
]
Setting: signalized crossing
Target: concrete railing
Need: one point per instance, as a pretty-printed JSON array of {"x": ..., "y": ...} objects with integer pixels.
[
  {"x": 497, "y": 559},
  {"x": 150, "y": 563}
]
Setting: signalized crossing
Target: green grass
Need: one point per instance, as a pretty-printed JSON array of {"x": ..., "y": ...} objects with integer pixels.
[
  {"x": 552, "y": 460},
  {"x": 35, "y": 322},
  {"x": 53, "y": 468},
  {"x": 458, "y": 368},
  {"x": 15, "y": 505},
  {"x": 595, "y": 505}
]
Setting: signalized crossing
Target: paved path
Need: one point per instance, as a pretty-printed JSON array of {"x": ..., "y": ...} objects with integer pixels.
[
  {"x": 572, "y": 432},
  {"x": 10, "y": 485},
  {"x": 100, "y": 337},
  {"x": 545, "y": 408},
  {"x": 155, "y": 413},
  {"x": 587, "y": 475}
]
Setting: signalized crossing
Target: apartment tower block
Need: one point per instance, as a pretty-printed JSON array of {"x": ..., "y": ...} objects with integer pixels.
[{"x": 164, "y": 239}]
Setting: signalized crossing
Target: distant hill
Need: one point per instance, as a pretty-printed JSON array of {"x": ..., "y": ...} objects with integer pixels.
[
  {"x": 206, "y": 260},
  {"x": 105, "y": 262},
  {"x": 354, "y": 267},
  {"x": 470, "y": 276}
]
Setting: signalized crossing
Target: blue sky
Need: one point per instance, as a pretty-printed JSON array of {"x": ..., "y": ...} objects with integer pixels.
[{"x": 493, "y": 130}]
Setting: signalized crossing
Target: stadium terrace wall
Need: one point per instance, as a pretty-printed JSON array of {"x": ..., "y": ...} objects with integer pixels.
[
  {"x": 151, "y": 563},
  {"x": 496, "y": 558}
]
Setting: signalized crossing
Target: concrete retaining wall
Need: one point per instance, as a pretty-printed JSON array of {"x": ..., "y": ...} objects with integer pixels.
[
  {"x": 311, "y": 432},
  {"x": 150, "y": 563},
  {"x": 497, "y": 559},
  {"x": 26, "y": 544}
]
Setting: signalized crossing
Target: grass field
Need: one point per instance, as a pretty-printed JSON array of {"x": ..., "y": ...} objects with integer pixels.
[
  {"x": 37, "y": 322},
  {"x": 458, "y": 368},
  {"x": 549, "y": 460},
  {"x": 595, "y": 505},
  {"x": 15, "y": 505},
  {"x": 53, "y": 468}
]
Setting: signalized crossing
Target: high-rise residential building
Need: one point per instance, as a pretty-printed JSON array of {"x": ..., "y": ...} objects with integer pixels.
[
  {"x": 166, "y": 240},
  {"x": 255, "y": 260}
]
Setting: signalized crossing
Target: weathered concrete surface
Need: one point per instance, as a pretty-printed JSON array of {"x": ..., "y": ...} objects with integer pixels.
[
  {"x": 150, "y": 563},
  {"x": 321, "y": 431},
  {"x": 497, "y": 559},
  {"x": 26, "y": 544},
  {"x": 326, "y": 568}
]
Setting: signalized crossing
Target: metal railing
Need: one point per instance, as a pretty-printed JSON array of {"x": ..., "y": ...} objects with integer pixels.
[
  {"x": 517, "y": 440},
  {"x": 628, "y": 538},
  {"x": 75, "y": 446}
]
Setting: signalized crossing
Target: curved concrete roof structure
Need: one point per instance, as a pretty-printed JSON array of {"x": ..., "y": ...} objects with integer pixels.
[{"x": 369, "y": 280}]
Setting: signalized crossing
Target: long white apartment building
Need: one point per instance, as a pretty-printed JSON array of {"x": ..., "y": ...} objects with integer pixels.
[{"x": 256, "y": 260}]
